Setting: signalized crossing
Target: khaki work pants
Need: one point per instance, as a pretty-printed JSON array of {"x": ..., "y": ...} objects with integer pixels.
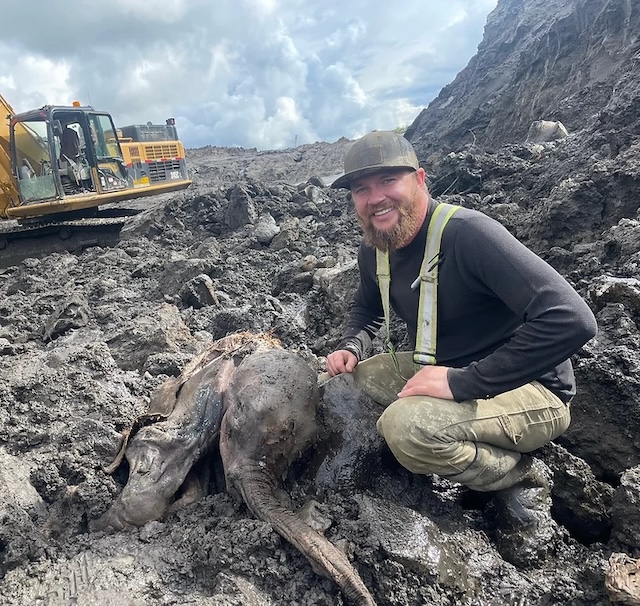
[{"x": 476, "y": 442}]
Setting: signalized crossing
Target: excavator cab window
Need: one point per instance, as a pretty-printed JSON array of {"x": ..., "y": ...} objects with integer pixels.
[
  {"x": 73, "y": 162},
  {"x": 69, "y": 145},
  {"x": 33, "y": 160},
  {"x": 56, "y": 126},
  {"x": 111, "y": 167}
]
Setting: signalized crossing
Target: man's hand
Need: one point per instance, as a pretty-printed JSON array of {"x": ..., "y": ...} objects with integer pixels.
[
  {"x": 341, "y": 361},
  {"x": 428, "y": 381}
]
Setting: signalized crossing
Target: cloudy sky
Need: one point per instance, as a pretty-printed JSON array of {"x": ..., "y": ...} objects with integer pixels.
[{"x": 269, "y": 74}]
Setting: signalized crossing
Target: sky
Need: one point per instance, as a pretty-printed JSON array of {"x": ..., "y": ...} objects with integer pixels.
[{"x": 269, "y": 74}]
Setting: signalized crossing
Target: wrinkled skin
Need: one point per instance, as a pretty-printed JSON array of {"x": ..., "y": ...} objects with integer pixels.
[
  {"x": 161, "y": 455},
  {"x": 261, "y": 409}
]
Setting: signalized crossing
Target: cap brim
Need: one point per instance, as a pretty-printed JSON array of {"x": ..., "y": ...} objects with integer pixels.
[{"x": 344, "y": 182}]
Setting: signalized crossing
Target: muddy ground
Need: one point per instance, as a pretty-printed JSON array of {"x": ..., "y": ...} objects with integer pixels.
[{"x": 259, "y": 244}]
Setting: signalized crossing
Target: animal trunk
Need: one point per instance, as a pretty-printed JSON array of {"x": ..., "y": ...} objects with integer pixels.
[{"x": 258, "y": 489}]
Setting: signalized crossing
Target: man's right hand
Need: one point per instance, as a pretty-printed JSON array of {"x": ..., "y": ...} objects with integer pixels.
[{"x": 341, "y": 361}]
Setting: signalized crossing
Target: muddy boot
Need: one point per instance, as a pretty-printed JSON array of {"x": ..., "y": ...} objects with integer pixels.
[{"x": 526, "y": 532}]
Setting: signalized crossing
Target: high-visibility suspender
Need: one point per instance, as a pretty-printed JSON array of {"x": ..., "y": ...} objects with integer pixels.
[
  {"x": 427, "y": 325},
  {"x": 426, "y": 335}
]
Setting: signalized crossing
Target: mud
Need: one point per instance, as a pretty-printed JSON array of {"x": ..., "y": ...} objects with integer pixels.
[
  {"x": 87, "y": 339},
  {"x": 260, "y": 244}
]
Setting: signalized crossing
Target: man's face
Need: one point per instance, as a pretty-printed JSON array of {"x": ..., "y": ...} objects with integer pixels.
[{"x": 391, "y": 206}]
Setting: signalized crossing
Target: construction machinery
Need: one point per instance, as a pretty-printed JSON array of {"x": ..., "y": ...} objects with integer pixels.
[{"x": 58, "y": 164}]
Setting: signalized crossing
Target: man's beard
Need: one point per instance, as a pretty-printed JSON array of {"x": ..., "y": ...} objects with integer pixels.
[{"x": 399, "y": 235}]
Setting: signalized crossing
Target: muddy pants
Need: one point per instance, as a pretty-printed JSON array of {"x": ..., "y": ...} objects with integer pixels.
[{"x": 476, "y": 442}]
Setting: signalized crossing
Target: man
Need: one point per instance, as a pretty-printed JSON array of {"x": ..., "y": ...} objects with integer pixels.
[{"x": 493, "y": 327}]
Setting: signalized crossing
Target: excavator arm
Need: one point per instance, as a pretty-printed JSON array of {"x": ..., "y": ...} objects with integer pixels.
[{"x": 8, "y": 192}]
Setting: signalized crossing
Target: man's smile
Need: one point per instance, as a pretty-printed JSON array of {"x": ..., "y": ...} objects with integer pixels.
[{"x": 384, "y": 211}]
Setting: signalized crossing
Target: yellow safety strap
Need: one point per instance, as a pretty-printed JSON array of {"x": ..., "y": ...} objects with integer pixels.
[
  {"x": 426, "y": 337},
  {"x": 383, "y": 273}
]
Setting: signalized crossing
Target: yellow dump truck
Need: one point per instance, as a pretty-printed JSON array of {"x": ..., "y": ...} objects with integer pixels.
[{"x": 63, "y": 161}]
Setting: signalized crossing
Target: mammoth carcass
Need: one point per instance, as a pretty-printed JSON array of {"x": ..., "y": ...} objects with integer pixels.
[{"x": 258, "y": 403}]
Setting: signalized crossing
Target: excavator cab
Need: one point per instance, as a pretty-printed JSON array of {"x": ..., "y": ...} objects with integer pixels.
[{"x": 65, "y": 152}]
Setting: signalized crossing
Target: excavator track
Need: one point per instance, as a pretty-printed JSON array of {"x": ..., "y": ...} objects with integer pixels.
[{"x": 19, "y": 241}]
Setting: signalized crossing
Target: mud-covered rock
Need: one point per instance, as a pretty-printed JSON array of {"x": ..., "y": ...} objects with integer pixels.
[{"x": 625, "y": 512}]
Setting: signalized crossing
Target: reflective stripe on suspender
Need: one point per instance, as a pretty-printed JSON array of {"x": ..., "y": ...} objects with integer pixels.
[
  {"x": 427, "y": 321},
  {"x": 383, "y": 272},
  {"x": 426, "y": 335}
]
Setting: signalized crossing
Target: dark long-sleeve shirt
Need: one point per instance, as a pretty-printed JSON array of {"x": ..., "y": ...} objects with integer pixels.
[{"x": 505, "y": 317}]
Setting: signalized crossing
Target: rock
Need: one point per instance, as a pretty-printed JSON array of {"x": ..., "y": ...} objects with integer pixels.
[
  {"x": 625, "y": 512},
  {"x": 151, "y": 334},
  {"x": 71, "y": 313},
  {"x": 241, "y": 210},
  {"x": 179, "y": 272},
  {"x": 581, "y": 503},
  {"x": 266, "y": 229},
  {"x": 199, "y": 292},
  {"x": 542, "y": 131}
]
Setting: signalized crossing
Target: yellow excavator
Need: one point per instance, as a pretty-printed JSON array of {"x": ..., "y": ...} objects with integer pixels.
[{"x": 58, "y": 164}]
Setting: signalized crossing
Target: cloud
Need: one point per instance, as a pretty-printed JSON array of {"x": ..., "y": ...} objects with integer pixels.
[{"x": 250, "y": 73}]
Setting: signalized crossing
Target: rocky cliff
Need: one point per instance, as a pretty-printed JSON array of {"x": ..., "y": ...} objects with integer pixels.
[{"x": 570, "y": 60}]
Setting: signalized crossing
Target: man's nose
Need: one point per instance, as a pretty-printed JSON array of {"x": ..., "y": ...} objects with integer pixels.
[{"x": 377, "y": 195}]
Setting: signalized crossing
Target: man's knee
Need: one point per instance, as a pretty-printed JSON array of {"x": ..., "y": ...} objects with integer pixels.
[
  {"x": 411, "y": 438},
  {"x": 396, "y": 420}
]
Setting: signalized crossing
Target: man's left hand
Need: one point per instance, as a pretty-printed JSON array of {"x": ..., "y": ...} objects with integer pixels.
[{"x": 428, "y": 381}]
